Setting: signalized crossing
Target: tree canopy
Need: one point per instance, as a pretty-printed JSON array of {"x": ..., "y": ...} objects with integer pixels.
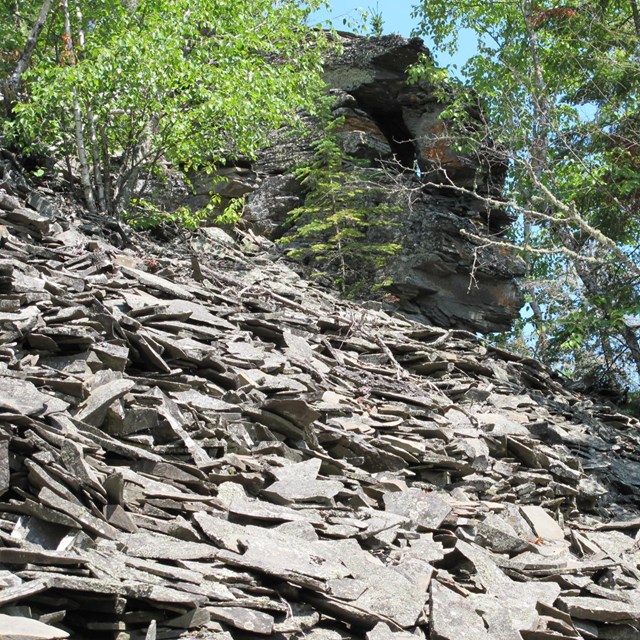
[
  {"x": 112, "y": 86},
  {"x": 558, "y": 88}
]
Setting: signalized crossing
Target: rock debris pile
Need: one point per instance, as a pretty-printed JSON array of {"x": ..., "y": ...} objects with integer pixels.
[{"x": 195, "y": 442}]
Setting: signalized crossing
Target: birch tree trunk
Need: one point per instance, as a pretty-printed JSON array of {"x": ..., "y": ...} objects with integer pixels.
[
  {"x": 93, "y": 137},
  {"x": 85, "y": 174},
  {"x": 12, "y": 84}
]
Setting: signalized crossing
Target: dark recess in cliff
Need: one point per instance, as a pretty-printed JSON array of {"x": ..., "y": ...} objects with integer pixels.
[{"x": 439, "y": 276}]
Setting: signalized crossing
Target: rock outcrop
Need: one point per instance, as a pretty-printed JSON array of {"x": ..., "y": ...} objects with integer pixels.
[
  {"x": 197, "y": 443},
  {"x": 440, "y": 276}
]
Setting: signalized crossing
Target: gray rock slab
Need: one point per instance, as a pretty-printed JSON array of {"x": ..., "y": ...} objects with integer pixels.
[
  {"x": 501, "y": 618},
  {"x": 113, "y": 355},
  {"x": 72, "y": 456},
  {"x": 296, "y": 410},
  {"x": 10, "y": 555},
  {"x": 519, "y": 599},
  {"x": 323, "y": 634},
  {"x": 133, "y": 420},
  {"x": 22, "y": 591},
  {"x": 245, "y": 619},
  {"x": 542, "y": 523},
  {"x": 309, "y": 470},
  {"x": 614, "y": 631},
  {"x": 299, "y": 350},
  {"x": 496, "y": 535},
  {"x": 191, "y": 620},
  {"x": 21, "y": 397},
  {"x": 16, "y": 628},
  {"x": 347, "y": 588},
  {"x": 5, "y": 478},
  {"x": 156, "y": 282},
  {"x": 235, "y": 499},
  {"x": 601, "y": 610},
  {"x": 302, "y": 490},
  {"x": 30, "y": 218},
  {"x": 426, "y": 510},
  {"x": 389, "y": 596},
  {"x": 300, "y": 618},
  {"x": 452, "y": 617},
  {"x": 157, "y": 546},
  {"x": 202, "y": 402},
  {"x": 93, "y": 410},
  {"x": 155, "y": 593},
  {"x": 79, "y": 513},
  {"x": 382, "y": 631},
  {"x": 286, "y": 557},
  {"x": 417, "y": 571},
  {"x": 224, "y": 534}
]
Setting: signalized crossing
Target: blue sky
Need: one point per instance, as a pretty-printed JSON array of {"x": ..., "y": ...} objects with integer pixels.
[
  {"x": 396, "y": 13},
  {"x": 397, "y": 19}
]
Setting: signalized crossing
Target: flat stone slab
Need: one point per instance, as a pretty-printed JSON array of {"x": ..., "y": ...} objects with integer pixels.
[
  {"x": 5, "y": 479},
  {"x": 600, "y": 609},
  {"x": 453, "y": 618},
  {"x": 16, "y": 628},
  {"x": 21, "y": 397},
  {"x": 244, "y": 619},
  {"x": 542, "y": 523},
  {"x": 93, "y": 410},
  {"x": 161, "y": 547},
  {"x": 426, "y": 510},
  {"x": 388, "y": 595}
]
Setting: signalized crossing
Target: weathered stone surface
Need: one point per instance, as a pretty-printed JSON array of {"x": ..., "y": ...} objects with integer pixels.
[
  {"x": 297, "y": 483},
  {"x": 386, "y": 119},
  {"x": 93, "y": 410},
  {"x": 245, "y": 619},
  {"x": 426, "y": 510},
  {"x": 16, "y": 628},
  {"x": 601, "y": 610},
  {"x": 5, "y": 478},
  {"x": 21, "y": 397},
  {"x": 452, "y": 617},
  {"x": 158, "y": 546},
  {"x": 544, "y": 526}
]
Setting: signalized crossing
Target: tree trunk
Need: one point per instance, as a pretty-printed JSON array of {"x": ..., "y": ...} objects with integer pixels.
[
  {"x": 93, "y": 137},
  {"x": 636, "y": 19},
  {"x": 12, "y": 84},
  {"x": 631, "y": 340},
  {"x": 85, "y": 174},
  {"x": 106, "y": 172}
]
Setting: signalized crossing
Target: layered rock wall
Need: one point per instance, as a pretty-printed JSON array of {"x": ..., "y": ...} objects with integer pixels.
[{"x": 439, "y": 276}]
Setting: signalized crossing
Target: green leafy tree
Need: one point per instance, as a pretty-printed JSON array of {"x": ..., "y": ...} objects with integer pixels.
[
  {"x": 116, "y": 87},
  {"x": 558, "y": 87},
  {"x": 336, "y": 227}
]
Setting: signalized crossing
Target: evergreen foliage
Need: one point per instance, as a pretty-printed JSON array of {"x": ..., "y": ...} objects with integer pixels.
[{"x": 344, "y": 205}]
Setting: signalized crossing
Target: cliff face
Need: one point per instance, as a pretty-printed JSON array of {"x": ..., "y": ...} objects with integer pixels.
[{"x": 439, "y": 276}]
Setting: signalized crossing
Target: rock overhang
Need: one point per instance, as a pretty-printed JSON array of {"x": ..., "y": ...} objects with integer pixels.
[{"x": 391, "y": 123}]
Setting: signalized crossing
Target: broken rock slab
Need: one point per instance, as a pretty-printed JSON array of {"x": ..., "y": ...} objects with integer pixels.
[
  {"x": 298, "y": 483},
  {"x": 453, "y": 618},
  {"x": 601, "y": 610},
  {"x": 16, "y": 628},
  {"x": 426, "y": 510}
]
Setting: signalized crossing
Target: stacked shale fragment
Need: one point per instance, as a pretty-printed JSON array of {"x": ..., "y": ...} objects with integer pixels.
[{"x": 206, "y": 446}]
